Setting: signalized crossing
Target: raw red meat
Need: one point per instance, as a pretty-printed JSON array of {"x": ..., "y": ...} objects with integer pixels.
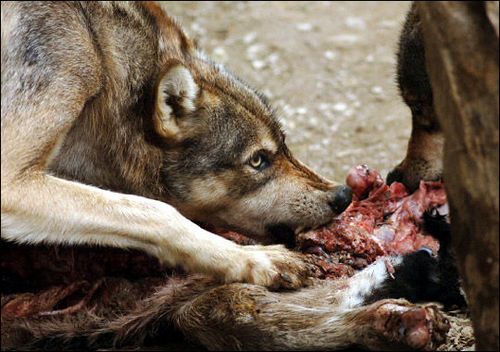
[
  {"x": 381, "y": 220},
  {"x": 362, "y": 180}
]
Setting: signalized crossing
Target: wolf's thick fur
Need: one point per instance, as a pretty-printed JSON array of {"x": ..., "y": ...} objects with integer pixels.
[
  {"x": 114, "y": 124},
  {"x": 424, "y": 156}
]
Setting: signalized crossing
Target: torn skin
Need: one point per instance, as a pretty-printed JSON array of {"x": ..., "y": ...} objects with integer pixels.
[{"x": 381, "y": 220}]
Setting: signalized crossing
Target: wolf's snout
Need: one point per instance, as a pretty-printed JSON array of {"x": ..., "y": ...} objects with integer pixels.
[{"x": 340, "y": 198}]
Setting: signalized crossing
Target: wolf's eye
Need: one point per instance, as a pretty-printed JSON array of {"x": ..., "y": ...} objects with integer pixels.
[{"x": 259, "y": 161}]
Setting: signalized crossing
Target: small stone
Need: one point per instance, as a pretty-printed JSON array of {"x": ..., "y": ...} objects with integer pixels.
[
  {"x": 340, "y": 107},
  {"x": 345, "y": 38},
  {"x": 334, "y": 128},
  {"x": 197, "y": 28},
  {"x": 324, "y": 106},
  {"x": 219, "y": 54},
  {"x": 330, "y": 55},
  {"x": 351, "y": 96},
  {"x": 254, "y": 50},
  {"x": 304, "y": 27},
  {"x": 301, "y": 110},
  {"x": 355, "y": 22},
  {"x": 288, "y": 110},
  {"x": 273, "y": 58},
  {"x": 258, "y": 64},
  {"x": 268, "y": 93},
  {"x": 249, "y": 38}
]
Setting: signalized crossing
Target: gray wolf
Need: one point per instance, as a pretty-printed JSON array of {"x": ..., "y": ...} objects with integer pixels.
[{"x": 118, "y": 131}]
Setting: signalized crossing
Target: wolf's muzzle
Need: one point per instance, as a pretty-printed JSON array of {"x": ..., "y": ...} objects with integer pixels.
[{"x": 340, "y": 198}]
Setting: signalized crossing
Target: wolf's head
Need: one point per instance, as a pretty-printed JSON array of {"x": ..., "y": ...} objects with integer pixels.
[{"x": 226, "y": 161}]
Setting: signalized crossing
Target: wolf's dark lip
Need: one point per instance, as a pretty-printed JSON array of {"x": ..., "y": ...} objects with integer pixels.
[{"x": 282, "y": 233}]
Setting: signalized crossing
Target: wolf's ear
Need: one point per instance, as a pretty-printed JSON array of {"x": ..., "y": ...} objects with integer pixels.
[{"x": 175, "y": 97}]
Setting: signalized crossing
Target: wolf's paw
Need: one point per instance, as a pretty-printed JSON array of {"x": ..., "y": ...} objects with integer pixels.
[
  {"x": 276, "y": 267},
  {"x": 418, "y": 327}
]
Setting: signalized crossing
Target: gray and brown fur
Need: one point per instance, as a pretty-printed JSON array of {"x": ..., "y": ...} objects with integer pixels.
[{"x": 424, "y": 155}]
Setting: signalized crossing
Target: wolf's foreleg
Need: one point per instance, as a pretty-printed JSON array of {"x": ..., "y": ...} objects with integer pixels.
[{"x": 41, "y": 208}]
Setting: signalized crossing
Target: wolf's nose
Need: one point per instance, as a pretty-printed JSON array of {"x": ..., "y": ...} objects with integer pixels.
[{"x": 340, "y": 199}]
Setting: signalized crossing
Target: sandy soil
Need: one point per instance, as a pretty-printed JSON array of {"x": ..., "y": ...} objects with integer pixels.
[{"x": 329, "y": 69}]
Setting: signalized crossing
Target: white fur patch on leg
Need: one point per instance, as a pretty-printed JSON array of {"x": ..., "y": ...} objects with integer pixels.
[{"x": 366, "y": 281}]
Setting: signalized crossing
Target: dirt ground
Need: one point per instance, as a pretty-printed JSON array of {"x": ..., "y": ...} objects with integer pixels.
[{"x": 329, "y": 70}]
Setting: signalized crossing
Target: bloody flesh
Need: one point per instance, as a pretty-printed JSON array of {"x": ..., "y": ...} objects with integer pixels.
[{"x": 381, "y": 220}]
